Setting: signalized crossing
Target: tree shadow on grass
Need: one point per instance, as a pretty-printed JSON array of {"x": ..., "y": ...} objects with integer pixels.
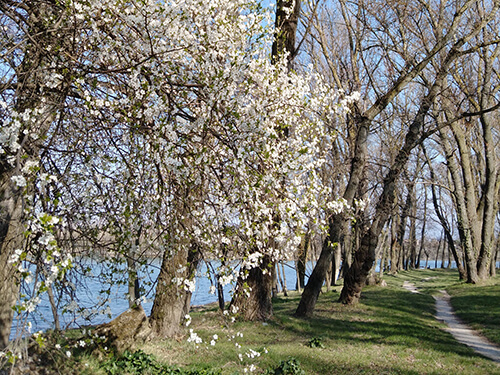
[{"x": 384, "y": 317}]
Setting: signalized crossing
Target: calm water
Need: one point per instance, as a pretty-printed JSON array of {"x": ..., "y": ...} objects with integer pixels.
[{"x": 115, "y": 302}]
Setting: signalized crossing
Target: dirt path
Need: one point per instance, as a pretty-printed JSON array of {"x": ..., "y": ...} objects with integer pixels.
[{"x": 459, "y": 330}]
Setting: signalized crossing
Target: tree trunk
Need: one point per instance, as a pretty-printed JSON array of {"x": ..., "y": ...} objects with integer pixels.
[
  {"x": 365, "y": 255},
  {"x": 337, "y": 260},
  {"x": 172, "y": 299},
  {"x": 253, "y": 295},
  {"x": 442, "y": 256},
  {"x": 464, "y": 228},
  {"x": 444, "y": 223},
  {"x": 220, "y": 294},
  {"x": 285, "y": 290},
  {"x": 134, "y": 293},
  {"x": 44, "y": 27},
  {"x": 11, "y": 238},
  {"x": 394, "y": 253},
  {"x": 494, "y": 259},
  {"x": 413, "y": 230},
  {"x": 313, "y": 288},
  {"x": 338, "y": 227},
  {"x": 53, "y": 307},
  {"x": 490, "y": 188},
  {"x": 422, "y": 234},
  {"x": 440, "y": 243},
  {"x": 302, "y": 260},
  {"x": 405, "y": 211}
]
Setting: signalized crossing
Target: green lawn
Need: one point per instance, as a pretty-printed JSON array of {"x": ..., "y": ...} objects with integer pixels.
[
  {"x": 479, "y": 306},
  {"x": 391, "y": 331}
]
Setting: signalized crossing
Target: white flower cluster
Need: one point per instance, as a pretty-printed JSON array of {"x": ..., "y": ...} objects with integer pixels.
[
  {"x": 188, "y": 285},
  {"x": 361, "y": 204},
  {"x": 193, "y": 337},
  {"x": 338, "y": 206}
]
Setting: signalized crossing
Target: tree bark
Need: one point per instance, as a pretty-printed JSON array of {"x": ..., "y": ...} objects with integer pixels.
[
  {"x": 444, "y": 223},
  {"x": 253, "y": 296},
  {"x": 491, "y": 186},
  {"x": 463, "y": 220},
  {"x": 302, "y": 260},
  {"x": 422, "y": 233},
  {"x": 365, "y": 255},
  {"x": 11, "y": 238},
  {"x": 172, "y": 300},
  {"x": 36, "y": 20}
]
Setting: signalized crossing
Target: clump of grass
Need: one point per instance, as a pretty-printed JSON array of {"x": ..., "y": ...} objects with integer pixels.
[
  {"x": 141, "y": 363},
  {"x": 316, "y": 342},
  {"x": 289, "y": 367}
]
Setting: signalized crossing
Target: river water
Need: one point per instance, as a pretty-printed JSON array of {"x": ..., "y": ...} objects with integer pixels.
[{"x": 114, "y": 302}]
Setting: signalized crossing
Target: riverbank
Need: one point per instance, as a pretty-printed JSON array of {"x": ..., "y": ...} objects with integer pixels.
[{"x": 391, "y": 331}]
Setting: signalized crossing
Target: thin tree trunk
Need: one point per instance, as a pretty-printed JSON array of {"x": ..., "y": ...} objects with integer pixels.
[
  {"x": 402, "y": 231},
  {"x": 444, "y": 223},
  {"x": 387, "y": 236},
  {"x": 280, "y": 279},
  {"x": 448, "y": 266},
  {"x": 11, "y": 238},
  {"x": 494, "y": 258},
  {"x": 464, "y": 228},
  {"x": 220, "y": 294},
  {"x": 285, "y": 290},
  {"x": 36, "y": 19},
  {"x": 337, "y": 260},
  {"x": 328, "y": 277},
  {"x": 297, "y": 282},
  {"x": 413, "y": 231},
  {"x": 422, "y": 235},
  {"x": 53, "y": 307},
  {"x": 491, "y": 185},
  {"x": 134, "y": 293},
  {"x": 394, "y": 244},
  {"x": 438, "y": 251},
  {"x": 442, "y": 256},
  {"x": 302, "y": 260}
]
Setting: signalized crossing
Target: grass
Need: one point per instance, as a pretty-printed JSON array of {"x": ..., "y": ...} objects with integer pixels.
[
  {"x": 479, "y": 306},
  {"x": 476, "y": 304},
  {"x": 391, "y": 331}
]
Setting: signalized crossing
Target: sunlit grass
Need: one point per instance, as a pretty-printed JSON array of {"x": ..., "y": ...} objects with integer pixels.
[
  {"x": 391, "y": 331},
  {"x": 479, "y": 306}
]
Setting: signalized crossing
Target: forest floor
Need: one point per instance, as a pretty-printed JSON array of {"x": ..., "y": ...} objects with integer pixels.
[{"x": 391, "y": 331}]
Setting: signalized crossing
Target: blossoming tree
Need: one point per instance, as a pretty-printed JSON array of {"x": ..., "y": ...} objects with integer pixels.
[{"x": 166, "y": 119}]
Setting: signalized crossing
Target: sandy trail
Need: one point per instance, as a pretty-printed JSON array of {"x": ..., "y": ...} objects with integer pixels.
[{"x": 460, "y": 331}]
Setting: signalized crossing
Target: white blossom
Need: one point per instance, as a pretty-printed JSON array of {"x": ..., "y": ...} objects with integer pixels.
[{"x": 19, "y": 180}]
